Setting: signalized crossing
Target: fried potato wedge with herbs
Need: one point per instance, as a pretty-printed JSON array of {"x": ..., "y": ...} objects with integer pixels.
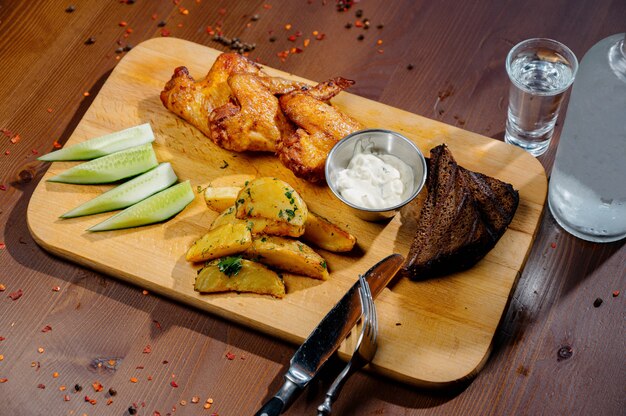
[
  {"x": 233, "y": 274},
  {"x": 288, "y": 255},
  {"x": 255, "y": 225},
  {"x": 324, "y": 234},
  {"x": 221, "y": 198},
  {"x": 277, "y": 202},
  {"x": 221, "y": 241}
]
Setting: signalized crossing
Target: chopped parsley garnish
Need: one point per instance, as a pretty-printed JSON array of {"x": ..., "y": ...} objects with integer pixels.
[
  {"x": 230, "y": 265},
  {"x": 291, "y": 213},
  {"x": 280, "y": 214},
  {"x": 323, "y": 264}
]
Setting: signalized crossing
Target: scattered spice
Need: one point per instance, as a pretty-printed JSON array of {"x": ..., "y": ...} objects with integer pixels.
[
  {"x": 90, "y": 41},
  {"x": 147, "y": 349},
  {"x": 90, "y": 400},
  {"x": 553, "y": 245},
  {"x": 183, "y": 402},
  {"x": 359, "y": 13},
  {"x": 109, "y": 401},
  {"x": 380, "y": 26},
  {"x": 173, "y": 384},
  {"x": 2, "y": 287},
  {"x": 70, "y": 9},
  {"x": 615, "y": 294},
  {"x": 17, "y": 294},
  {"x": 2, "y": 338},
  {"x": 288, "y": 26},
  {"x": 15, "y": 139},
  {"x": 597, "y": 302},
  {"x": 564, "y": 353},
  {"x": 360, "y": 37},
  {"x": 40, "y": 350},
  {"x": 112, "y": 391},
  {"x": 144, "y": 292},
  {"x": 133, "y": 379},
  {"x": 97, "y": 386},
  {"x": 379, "y": 42},
  {"x": 78, "y": 387},
  {"x": 1, "y": 357},
  {"x": 4, "y": 380},
  {"x": 195, "y": 399},
  {"x": 66, "y": 398},
  {"x": 86, "y": 94},
  {"x": 41, "y": 386},
  {"x": 230, "y": 355},
  {"x": 122, "y": 23},
  {"x": 165, "y": 32},
  {"x": 56, "y": 288},
  {"x": 55, "y": 375},
  {"x": 46, "y": 328},
  {"x": 132, "y": 410},
  {"x": 62, "y": 388},
  {"x": 162, "y": 23}
]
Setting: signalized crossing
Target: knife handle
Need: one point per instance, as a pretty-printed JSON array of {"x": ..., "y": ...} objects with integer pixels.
[{"x": 281, "y": 401}]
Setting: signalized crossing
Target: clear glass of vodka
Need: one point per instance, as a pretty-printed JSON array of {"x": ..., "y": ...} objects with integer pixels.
[{"x": 541, "y": 71}]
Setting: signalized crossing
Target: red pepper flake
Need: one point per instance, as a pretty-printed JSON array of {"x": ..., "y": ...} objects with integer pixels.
[
  {"x": 6, "y": 132},
  {"x": 16, "y": 295},
  {"x": 306, "y": 42},
  {"x": 56, "y": 145},
  {"x": 156, "y": 413},
  {"x": 49, "y": 110},
  {"x": 165, "y": 362},
  {"x": 267, "y": 6},
  {"x": 56, "y": 288},
  {"x": 147, "y": 349},
  {"x": 615, "y": 294},
  {"x": 379, "y": 42},
  {"x": 358, "y": 23},
  {"x": 90, "y": 400},
  {"x": 55, "y": 375},
  {"x": 3, "y": 187},
  {"x": 2, "y": 245},
  {"x": 292, "y": 38},
  {"x": 155, "y": 16},
  {"x": 7, "y": 153},
  {"x": 288, "y": 26},
  {"x": 129, "y": 31},
  {"x": 173, "y": 384},
  {"x": 46, "y": 328},
  {"x": 86, "y": 94},
  {"x": 1, "y": 357},
  {"x": 230, "y": 355},
  {"x": 553, "y": 245},
  {"x": 41, "y": 386},
  {"x": 97, "y": 386},
  {"x": 109, "y": 401},
  {"x": 16, "y": 138},
  {"x": 321, "y": 36},
  {"x": 62, "y": 388},
  {"x": 2, "y": 289},
  {"x": 122, "y": 24},
  {"x": 133, "y": 379},
  {"x": 165, "y": 32},
  {"x": 157, "y": 324},
  {"x": 179, "y": 25},
  {"x": 66, "y": 398},
  {"x": 381, "y": 51},
  {"x": 149, "y": 378},
  {"x": 139, "y": 367},
  {"x": 296, "y": 50},
  {"x": 184, "y": 11},
  {"x": 35, "y": 151}
]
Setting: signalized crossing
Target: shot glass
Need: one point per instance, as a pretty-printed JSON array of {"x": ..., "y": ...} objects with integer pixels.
[{"x": 541, "y": 71}]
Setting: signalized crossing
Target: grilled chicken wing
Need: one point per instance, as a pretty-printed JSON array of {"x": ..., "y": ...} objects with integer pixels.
[
  {"x": 252, "y": 120},
  {"x": 320, "y": 127},
  {"x": 194, "y": 100}
]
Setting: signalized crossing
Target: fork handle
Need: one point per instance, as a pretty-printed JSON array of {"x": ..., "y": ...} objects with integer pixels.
[{"x": 324, "y": 409}]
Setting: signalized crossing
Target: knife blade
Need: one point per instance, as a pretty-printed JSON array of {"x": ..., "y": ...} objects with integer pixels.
[{"x": 328, "y": 336}]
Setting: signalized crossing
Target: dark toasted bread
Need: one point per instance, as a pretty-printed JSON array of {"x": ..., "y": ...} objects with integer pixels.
[{"x": 463, "y": 217}]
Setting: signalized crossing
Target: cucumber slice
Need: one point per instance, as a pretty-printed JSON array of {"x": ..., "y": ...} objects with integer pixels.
[
  {"x": 103, "y": 145},
  {"x": 128, "y": 193},
  {"x": 158, "y": 207},
  {"x": 111, "y": 168}
]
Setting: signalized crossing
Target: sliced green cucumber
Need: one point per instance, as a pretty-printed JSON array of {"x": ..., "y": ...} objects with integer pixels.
[
  {"x": 103, "y": 145},
  {"x": 128, "y": 193},
  {"x": 158, "y": 207},
  {"x": 111, "y": 168}
]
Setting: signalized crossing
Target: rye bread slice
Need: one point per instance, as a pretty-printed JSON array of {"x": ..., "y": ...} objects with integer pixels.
[{"x": 463, "y": 217}]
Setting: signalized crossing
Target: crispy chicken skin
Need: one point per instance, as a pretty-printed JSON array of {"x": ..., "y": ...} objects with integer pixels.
[
  {"x": 320, "y": 127},
  {"x": 252, "y": 120},
  {"x": 194, "y": 100}
]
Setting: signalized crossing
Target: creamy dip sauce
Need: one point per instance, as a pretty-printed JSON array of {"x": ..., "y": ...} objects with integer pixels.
[{"x": 375, "y": 180}]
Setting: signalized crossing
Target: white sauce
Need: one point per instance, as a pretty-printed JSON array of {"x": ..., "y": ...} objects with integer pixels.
[{"x": 373, "y": 180}]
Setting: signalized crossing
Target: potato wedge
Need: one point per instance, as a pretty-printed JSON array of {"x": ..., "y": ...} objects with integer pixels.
[
  {"x": 221, "y": 198},
  {"x": 221, "y": 241},
  {"x": 251, "y": 277},
  {"x": 275, "y": 201},
  {"x": 255, "y": 225},
  {"x": 326, "y": 235},
  {"x": 288, "y": 255}
]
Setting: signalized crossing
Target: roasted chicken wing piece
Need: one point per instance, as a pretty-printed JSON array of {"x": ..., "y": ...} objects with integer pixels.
[
  {"x": 320, "y": 126},
  {"x": 252, "y": 120},
  {"x": 194, "y": 100}
]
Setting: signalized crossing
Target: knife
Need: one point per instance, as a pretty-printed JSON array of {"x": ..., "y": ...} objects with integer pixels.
[{"x": 328, "y": 336}]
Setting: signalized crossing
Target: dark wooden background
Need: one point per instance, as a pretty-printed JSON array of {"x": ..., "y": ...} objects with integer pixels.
[{"x": 554, "y": 353}]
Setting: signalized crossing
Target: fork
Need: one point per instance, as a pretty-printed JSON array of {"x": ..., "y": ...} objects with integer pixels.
[{"x": 364, "y": 351}]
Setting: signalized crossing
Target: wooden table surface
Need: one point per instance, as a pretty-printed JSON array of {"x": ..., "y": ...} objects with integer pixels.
[{"x": 556, "y": 352}]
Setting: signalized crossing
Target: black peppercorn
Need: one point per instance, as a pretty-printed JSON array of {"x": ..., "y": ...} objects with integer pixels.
[
  {"x": 361, "y": 37},
  {"x": 112, "y": 391},
  {"x": 90, "y": 41}
]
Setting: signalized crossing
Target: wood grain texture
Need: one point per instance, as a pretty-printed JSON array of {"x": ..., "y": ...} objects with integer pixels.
[
  {"x": 451, "y": 319},
  {"x": 458, "y": 51}
]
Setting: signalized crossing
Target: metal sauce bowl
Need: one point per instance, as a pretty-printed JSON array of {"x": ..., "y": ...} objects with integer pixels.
[{"x": 385, "y": 142}]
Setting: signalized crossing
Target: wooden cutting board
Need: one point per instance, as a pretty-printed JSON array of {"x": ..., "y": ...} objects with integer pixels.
[{"x": 432, "y": 333}]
